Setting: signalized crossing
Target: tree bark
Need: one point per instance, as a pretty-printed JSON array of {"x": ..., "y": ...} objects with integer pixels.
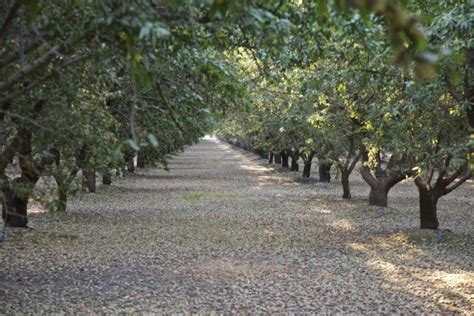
[
  {"x": 141, "y": 159},
  {"x": 270, "y": 158},
  {"x": 106, "y": 179},
  {"x": 346, "y": 191},
  {"x": 128, "y": 157},
  {"x": 428, "y": 205},
  {"x": 378, "y": 196},
  {"x": 89, "y": 180},
  {"x": 324, "y": 172},
  {"x": 381, "y": 181},
  {"x": 15, "y": 205},
  {"x": 470, "y": 85},
  {"x": 277, "y": 159},
  {"x": 260, "y": 153},
  {"x": 284, "y": 160},
  {"x": 307, "y": 169},
  {"x": 294, "y": 163},
  {"x": 62, "y": 187},
  {"x": 62, "y": 199}
]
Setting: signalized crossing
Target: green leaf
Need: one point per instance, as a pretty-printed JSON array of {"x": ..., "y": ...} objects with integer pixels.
[
  {"x": 133, "y": 144},
  {"x": 152, "y": 139},
  {"x": 322, "y": 10},
  {"x": 341, "y": 4},
  {"x": 32, "y": 8},
  {"x": 145, "y": 30}
]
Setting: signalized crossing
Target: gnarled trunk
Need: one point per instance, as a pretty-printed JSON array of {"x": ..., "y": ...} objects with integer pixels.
[
  {"x": 381, "y": 181},
  {"x": 428, "y": 202}
]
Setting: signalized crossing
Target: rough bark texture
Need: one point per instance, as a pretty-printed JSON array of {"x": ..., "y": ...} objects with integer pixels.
[{"x": 428, "y": 203}]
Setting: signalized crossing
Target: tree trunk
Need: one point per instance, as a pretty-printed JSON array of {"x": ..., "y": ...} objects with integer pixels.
[
  {"x": 62, "y": 199},
  {"x": 378, "y": 196},
  {"x": 324, "y": 172},
  {"x": 294, "y": 163},
  {"x": 270, "y": 158},
  {"x": 469, "y": 95},
  {"x": 89, "y": 180},
  {"x": 307, "y": 169},
  {"x": 277, "y": 159},
  {"x": 128, "y": 157},
  {"x": 261, "y": 153},
  {"x": 61, "y": 194},
  {"x": 346, "y": 191},
  {"x": 428, "y": 203},
  {"x": 141, "y": 159},
  {"x": 284, "y": 161},
  {"x": 14, "y": 209},
  {"x": 106, "y": 179}
]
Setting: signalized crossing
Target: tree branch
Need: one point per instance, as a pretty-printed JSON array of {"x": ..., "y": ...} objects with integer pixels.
[
  {"x": 23, "y": 90},
  {"x": 354, "y": 162},
  {"x": 67, "y": 62},
  {"x": 30, "y": 68},
  {"x": 458, "y": 183},
  {"x": 9, "y": 18},
  {"x": 13, "y": 55},
  {"x": 453, "y": 176}
]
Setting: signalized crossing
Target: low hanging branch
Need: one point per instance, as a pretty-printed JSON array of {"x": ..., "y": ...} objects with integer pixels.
[
  {"x": 29, "y": 69},
  {"x": 67, "y": 62}
]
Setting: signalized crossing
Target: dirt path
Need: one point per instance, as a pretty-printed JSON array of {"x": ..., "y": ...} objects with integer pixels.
[{"x": 224, "y": 232}]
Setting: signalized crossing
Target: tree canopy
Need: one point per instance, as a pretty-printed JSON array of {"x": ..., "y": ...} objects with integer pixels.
[{"x": 89, "y": 86}]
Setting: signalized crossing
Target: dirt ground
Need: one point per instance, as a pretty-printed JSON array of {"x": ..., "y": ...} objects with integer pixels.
[{"x": 225, "y": 232}]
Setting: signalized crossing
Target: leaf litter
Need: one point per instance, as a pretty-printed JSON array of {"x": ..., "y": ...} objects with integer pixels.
[{"x": 224, "y": 232}]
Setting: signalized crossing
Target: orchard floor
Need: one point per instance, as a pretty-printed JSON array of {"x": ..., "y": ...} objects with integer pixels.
[{"x": 224, "y": 232}]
